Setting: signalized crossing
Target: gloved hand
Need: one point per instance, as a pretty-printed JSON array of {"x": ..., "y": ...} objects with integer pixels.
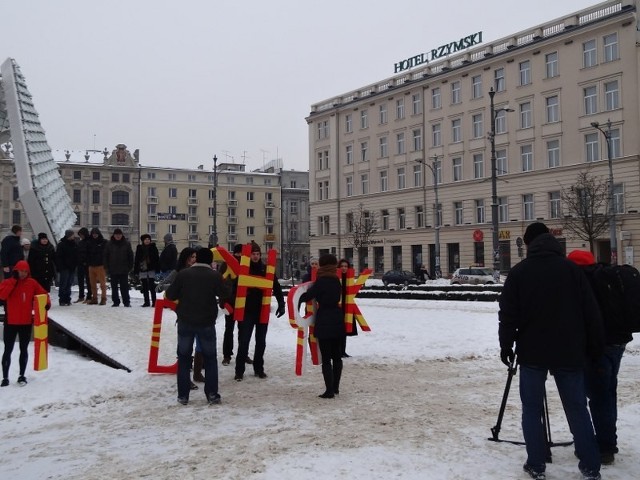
[
  {"x": 280, "y": 310},
  {"x": 47, "y": 306},
  {"x": 507, "y": 356}
]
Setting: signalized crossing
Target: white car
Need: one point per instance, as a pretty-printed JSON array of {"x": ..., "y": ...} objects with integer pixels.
[{"x": 473, "y": 276}]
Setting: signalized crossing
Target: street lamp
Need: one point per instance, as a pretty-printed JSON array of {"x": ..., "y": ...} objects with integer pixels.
[
  {"x": 494, "y": 186},
  {"x": 434, "y": 171},
  {"x": 213, "y": 238},
  {"x": 612, "y": 210}
]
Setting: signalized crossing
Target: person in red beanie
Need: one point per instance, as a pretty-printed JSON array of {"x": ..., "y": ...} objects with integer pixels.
[
  {"x": 18, "y": 292},
  {"x": 601, "y": 377}
]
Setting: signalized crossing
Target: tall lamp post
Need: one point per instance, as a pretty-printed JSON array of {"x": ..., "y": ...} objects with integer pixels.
[
  {"x": 213, "y": 238},
  {"x": 434, "y": 172},
  {"x": 495, "y": 225},
  {"x": 612, "y": 211}
]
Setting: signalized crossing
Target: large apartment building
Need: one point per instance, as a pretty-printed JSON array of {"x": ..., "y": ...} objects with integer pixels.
[{"x": 380, "y": 149}]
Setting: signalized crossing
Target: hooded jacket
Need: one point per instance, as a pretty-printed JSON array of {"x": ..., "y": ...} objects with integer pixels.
[
  {"x": 95, "y": 249},
  {"x": 18, "y": 295},
  {"x": 118, "y": 256},
  {"x": 548, "y": 309}
]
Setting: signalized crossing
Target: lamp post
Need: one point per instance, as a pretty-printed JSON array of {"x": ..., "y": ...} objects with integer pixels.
[
  {"x": 213, "y": 238},
  {"x": 612, "y": 211},
  {"x": 495, "y": 225},
  {"x": 434, "y": 171}
]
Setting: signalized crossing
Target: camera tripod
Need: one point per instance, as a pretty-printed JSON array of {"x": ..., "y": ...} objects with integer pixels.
[{"x": 495, "y": 431}]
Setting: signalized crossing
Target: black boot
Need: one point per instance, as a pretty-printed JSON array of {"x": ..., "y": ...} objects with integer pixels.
[
  {"x": 327, "y": 374},
  {"x": 337, "y": 373}
]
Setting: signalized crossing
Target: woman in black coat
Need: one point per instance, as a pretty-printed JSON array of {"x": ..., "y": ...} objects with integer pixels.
[
  {"x": 329, "y": 321},
  {"x": 42, "y": 257},
  {"x": 145, "y": 265}
]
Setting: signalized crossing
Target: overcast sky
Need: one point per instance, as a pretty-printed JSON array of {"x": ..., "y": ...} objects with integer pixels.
[{"x": 182, "y": 81}]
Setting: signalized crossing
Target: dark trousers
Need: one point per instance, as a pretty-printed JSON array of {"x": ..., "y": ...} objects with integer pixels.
[
  {"x": 207, "y": 338},
  {"x": 23, "y": 332},
  {"x": 64, "y": 289},
  {"x": 83, "y": 278},
  {"x": 602, "y": 390},
  {"x": 227, "y": 341},
  {"x": 120, "y": 281},
  {"x": 246, "y": 330},
  {"x": 148, "y": 287},
  {"x": 331, "y": 351}
]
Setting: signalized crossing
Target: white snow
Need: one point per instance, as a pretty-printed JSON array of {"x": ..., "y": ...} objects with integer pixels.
[{"x": 417, "y": 401}]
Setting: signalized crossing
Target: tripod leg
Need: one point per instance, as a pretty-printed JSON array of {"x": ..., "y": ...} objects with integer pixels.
[{"x": 495, "y": 431}]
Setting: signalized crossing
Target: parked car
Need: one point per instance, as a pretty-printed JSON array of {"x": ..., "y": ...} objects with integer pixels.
[
  {"x": 400, "y": 277},
  {"x": 473, "y": 276}
]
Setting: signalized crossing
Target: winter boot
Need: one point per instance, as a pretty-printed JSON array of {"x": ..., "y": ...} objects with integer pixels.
[
  {"x": 327, "y": 374},
  {"x": 337, "y": 373},
  {"x": 198, "y": 362}
]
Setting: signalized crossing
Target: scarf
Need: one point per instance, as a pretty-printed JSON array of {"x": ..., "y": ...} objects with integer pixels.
[{"x": 327, "y": 271}]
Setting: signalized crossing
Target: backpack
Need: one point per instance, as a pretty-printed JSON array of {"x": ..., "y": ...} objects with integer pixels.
[{"x": 618, "y": 289}]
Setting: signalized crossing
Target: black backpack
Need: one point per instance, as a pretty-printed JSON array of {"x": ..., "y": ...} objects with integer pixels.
[{"x": 618, "y": 289}]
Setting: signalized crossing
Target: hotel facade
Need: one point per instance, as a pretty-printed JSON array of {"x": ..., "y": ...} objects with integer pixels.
[{"x": 382, "y": 151}]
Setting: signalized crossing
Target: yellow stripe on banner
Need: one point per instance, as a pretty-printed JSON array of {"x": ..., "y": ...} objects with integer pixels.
[
  {"x": 40, "y": 332},
  {"x": 155, "y": 344},
  {"x": 42, "y": 359},
  {"x": 240, "y": 302},
  {"x": 254, "y": 282}
]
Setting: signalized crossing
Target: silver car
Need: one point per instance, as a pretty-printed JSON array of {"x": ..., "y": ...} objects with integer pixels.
[{"x": 473, "y": 276}]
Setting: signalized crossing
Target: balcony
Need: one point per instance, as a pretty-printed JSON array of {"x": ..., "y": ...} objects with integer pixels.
[
  {"x": 269, "y": 205},
  {"x": 152, "y": 200},
  {"x": 194, "y": 236},
  {"x": 192, "y": 219},
  {"x": 152, "y": 217},
  {"x": 232, "y": 203},
  {"x": 192, "y": 201},
  {"x": 232, "y": 220},
  {"x": 269, "y": 221}
]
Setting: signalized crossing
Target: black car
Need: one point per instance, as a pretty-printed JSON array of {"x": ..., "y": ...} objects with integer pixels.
[{"x": 400, "y": 277}]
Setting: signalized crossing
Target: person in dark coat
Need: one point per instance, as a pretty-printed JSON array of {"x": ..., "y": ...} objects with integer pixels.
[
  {"x": 145, "y": 265},
  {"x": 42, "y": 258},
  {"x": 252, "y": 311},
  {"x": 83, "y": 267},
  {"x": 118, "y": 262},
  {"x": 329, "y": 321},
  {"x": 602, "y": 376},
  {"x": 66, "y": 262},
  {"x": 548, "y": 310},
  {"x": 168, "y": 256},
  {"x": 11, "y": 250},
  {"x": 95, "y": 263}
]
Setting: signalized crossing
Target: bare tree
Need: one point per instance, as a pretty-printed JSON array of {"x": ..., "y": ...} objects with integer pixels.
[
  {"x": 362, "y": 225},
  {"x": 586, "y": 212}
]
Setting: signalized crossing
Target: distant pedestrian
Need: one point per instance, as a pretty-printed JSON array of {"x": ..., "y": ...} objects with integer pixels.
[
  {"x": 83, "y": 267},
  {"x": 145, "y": 266},
  {"x": 26, "y": 247},
  {"x": 42, "y": 258},
  {"x": 168, "y": 256},
  {"x": 313, "y": 263},
  {"x": 11, "y": 250},
  {"x": 118, "y": 262},
  {"x": 66, "y": 263}
]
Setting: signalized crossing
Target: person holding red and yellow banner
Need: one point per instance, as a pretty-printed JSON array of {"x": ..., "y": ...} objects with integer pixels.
[{"x": 18, "y": 293}]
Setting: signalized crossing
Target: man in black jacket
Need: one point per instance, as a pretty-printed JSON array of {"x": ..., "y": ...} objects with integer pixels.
[
  {"x": 83, "y": 267},
  {"x": 95, "y": 262},
  {"x": 11, "y": 250},
  {"x": 66, "y": 262},
  {"x": 196, "y": 289},
  {"x": 548, "y": 309}
]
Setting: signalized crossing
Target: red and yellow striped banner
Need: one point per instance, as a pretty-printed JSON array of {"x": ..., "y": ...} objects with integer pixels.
[
  {"x": 40, "y": 333},
  {"x": 246, "y": 281},
  {"x": 161, "y": 304}
]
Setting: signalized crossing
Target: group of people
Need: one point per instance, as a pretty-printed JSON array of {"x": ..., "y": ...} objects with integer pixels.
[{"x": 549, "y": 311}]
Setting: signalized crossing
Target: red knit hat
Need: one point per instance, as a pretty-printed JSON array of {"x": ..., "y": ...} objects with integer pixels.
[{"x": 582, "y": 257}]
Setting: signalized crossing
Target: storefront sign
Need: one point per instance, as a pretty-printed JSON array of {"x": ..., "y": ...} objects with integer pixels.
[{"x": 504, "y": 234}]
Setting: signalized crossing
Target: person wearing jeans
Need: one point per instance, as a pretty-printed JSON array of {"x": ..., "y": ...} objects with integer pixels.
[{"x": 66, "y": 262}]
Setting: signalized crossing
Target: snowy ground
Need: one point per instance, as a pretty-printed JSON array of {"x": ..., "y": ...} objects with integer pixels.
[{"x": 417, "y": 401}]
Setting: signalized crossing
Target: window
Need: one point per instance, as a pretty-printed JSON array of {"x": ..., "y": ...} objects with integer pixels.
[
  {"x": 383, "y": 113},
  {"x": 323, "y": 129},
  {"x": 525, "y": 72},
  {"x": 95, "y": 219},
  {"x": 193, "y": 193},
  {"x": 611, "y": 47},
  {"x": 501, "y": 121},
  {"x": 436, "y": 137},
  {"x": 16, "y": 194},
  {"x": 400, "y": 148},
  {"x": 436, "y": 100},
  {"x": 251, "y": 213},
  {"x": 458, "y": 213},
  {"x": 419, "y": 209},
  {"x": 416, "y": 103},
  {"x": 95, "y": 197},
  {"x": 614, "y": 141},
  {"x": 554, "y": 205},
  {"x": 551, "y": 64},
  {"x": 400, "y": 108},
  {"x": 78, "y": 221},
  {"x": 501, "y": 162},
  {"x": 172, "y": 176},
  {"x": 479, "y": 206},
  {"x": 348, "y": 123},
  {"x": 77, "y": 195},
  {"x": 438, "y": 173},
  {"x": 455, "y": 92},
  {"x": 553, "y": 153},
  {"x": 457, "y": 169},
  {"x": 592, "y": 150},
  {"x": 402, "y": 181},
  {"x": 590, "y": 96},
  {"x": 618, "y": 198},
  {"x": 293, "y": 207},
  {"x": 553, "y": 109},
  {"x": 589, "y": 54},
  {"x": 364, "y": 183},
  {"x": 476, "y": 86},
  {"x": 456, "y": 130},
  {"x": 364, "y": 121},
  {"x": 402, "y": 221},
  {"x": 612, "y": 100},
  {"x": 385, "y": 219},
  {"x": 150, "y": 176},
  {"x": 172, "y": 209},
  {"x": 525, "y": 115},
  {"x": 251, "y": 231},
  {"x": 438, "y": 214},
  {"x": 349, "y": 154},
  {"x": 499, "y": 81},
  {"x": 526, "y": 157},
  {"x": 476, "y": 121},
  {"x": 326, "y": 189},
  {"x": 77, "y": 175},
  {"x": 417, "y": 175},
  {"x": 527, "y": 206},
  {"x": 417, "y": 140},
  {"x": 325, "y": 224},
  {"x": 503, "y": 209},
  {"x": 363, "y": 151},
  {"x": 384, "y": 184},
  {"x": 231, "y": 194},
  {"x": 250, "y": 196},
  {"x": 173, "y": 192},
  {"x": 95, "y": 176},
  {"x": 478, "y": 165},
  {"x": 190, "y": 177},
  {"x": 383, "y": 147},
  {"x": 349, "y": 186}
]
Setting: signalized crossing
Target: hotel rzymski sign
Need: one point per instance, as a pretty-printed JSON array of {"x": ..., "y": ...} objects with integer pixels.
[{"x": 441, "y": 51}]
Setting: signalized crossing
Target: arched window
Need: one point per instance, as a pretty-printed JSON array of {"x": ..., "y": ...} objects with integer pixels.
[
  {"x": 120, "y": 219},
  {"x": 120, "y": 197}
]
